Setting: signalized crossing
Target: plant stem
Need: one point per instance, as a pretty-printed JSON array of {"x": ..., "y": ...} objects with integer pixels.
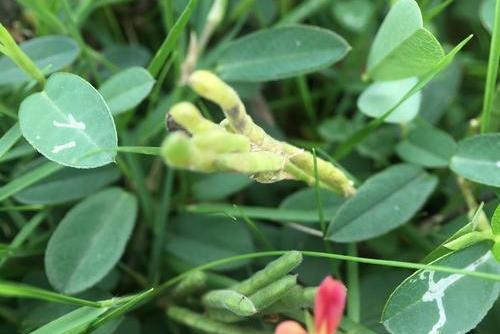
[
  {"x": 353, "y": 298},
  {"x": 491, "y": 78}
]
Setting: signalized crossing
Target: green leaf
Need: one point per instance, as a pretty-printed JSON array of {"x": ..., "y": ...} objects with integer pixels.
[
  {"x": 90, "y": 240},
  {"x": 305, "y": 200},
  {"x": 427, "y": 146},
  {"x": 67, "y": 185},
  {"x": 380, "y": 97},
  {"x": 431, "y": 302},
  {"x": 69, "y": 123},
  {"x": 226, "y": 184},
  {"x": 495, "y": 221},
  {"x": 477, "y": 159},
  {"x": 403, "y": 47},
  {"x": 49, "y": 53},
  {"x": 74, "y": 322},
  {"x": 384, "y": 202},
  {"x": 28, "y": 179},
  {"x": 9, "y": 139},
  {"x": 201, "y": 239},
  {"x": 487, "y": 14},
  {"x": 126, "y": 89},
  {"x": 281, "y": 52}
]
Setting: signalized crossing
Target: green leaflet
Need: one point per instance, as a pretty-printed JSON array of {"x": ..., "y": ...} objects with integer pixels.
[
  {"x": 477, "y": 159},
  {"x": 126, "y": 89},
  {"x": 69, "y": 123},
  {"x": 90, "y": 239},
  {"x": 427, "y": 146},
  {"x": 281, "y": 52},
  {"x": 384, "y": 202},
  {"x": 444, "y": 303},
  {"x": 49, "y": 53},
  {"x": 403, "y": 47},
  {"x": 67, "y": 185},
  {"x": 380, "y": 97}
]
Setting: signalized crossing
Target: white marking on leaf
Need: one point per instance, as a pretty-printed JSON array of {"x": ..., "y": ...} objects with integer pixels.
[
  {"x": 59, "y": 148},
  {"x": 437, "y": 289},
  {"x": 72, "y": 124},
  {"x": 497, "y": 164}
]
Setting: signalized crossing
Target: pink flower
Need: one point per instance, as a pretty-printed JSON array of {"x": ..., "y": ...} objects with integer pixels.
[
  {"x": 328, "y": 310},
  {"x": 290, "y": 327},
  {"x": 329, "y": 306}
]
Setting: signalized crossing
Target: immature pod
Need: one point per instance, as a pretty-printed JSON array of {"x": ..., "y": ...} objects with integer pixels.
[
  {"x": 190, "y": 284},
  {"x": 273, "y": 292},
  {"x": 272, "y": 272},
  {"x": 230, "y": 300},
  {"x": 205, "y": 324}
]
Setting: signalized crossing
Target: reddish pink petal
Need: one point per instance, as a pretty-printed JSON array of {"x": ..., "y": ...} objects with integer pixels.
[
  {"x": 290, "y": 327},
  {"x": 329, "y": 306}
]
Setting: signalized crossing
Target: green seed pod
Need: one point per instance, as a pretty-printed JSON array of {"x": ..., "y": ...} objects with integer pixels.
[
  {"x": 292, "y": 300},
  {"x": 273, "y": 292},
  {"x": 308, "y": 296},
  {"x": 272, "y": 272},
  {"x": 230, "y": 300},
  {"x": 205, "y": 324},
  {"x": 193, "y": 282}
]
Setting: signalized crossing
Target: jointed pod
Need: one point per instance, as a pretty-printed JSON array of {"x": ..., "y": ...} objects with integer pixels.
[{"x": 237, "y": 144}]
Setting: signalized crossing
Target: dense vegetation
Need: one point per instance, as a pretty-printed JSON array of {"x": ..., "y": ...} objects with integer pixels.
[{"x": 200, "y": 166}]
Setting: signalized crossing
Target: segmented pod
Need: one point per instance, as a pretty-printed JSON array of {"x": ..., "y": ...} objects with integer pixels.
[
  {"x": 273, "y": 292},
  {"x": 230, "y": 300},
  {"x": 190, "y": 284},
  {"x": 272, "y": 272}
]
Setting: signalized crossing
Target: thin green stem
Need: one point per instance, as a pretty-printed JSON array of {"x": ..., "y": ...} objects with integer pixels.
[
  {"x": 491, "y": 78},
  {"x": 353, "y": 289}
]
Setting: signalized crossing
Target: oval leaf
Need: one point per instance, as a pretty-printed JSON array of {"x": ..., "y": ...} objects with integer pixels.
[
  {"x": 90, "y": 240},
  {"x": 49, "y": 53},
  {"x": 427, "y": 146},
  {"x": 126, "y": 89},
  {"x": 281, "y": 52},
  {"x": 380, "y": 97},
  {"x": 444, "y": 303},
  {"x": 67, "y": 185},
  {"x": 69, "y": 123},
  {"x": 478, "y": 159},
  {"x": 402, "y": 47},
  {"x": 384, "y": 202}
]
